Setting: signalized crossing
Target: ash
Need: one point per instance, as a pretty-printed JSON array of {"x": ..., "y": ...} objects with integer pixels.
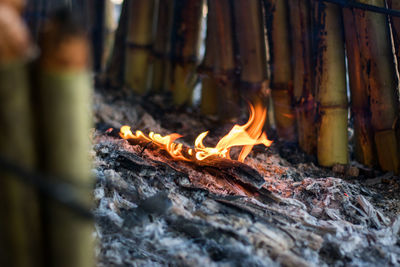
[{"x": 152, "y": 211}]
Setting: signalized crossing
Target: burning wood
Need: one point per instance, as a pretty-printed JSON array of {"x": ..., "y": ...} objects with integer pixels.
[
  {"x": 214, "y": 158},
  {"x": 247, "y": 135}
]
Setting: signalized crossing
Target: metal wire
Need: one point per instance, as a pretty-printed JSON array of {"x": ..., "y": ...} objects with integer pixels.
[{"x": 357, "y": 5}]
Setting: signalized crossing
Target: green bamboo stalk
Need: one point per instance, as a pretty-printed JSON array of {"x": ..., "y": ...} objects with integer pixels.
[
  {"x": 331, "y": 86},
  {"x": 139, "y": 42},
  {"x": 64, "y": 94},
  {"x": 219, "y": 95},
  {"x": 364, "y": 140},
  {"x": 185, "y": 48},
  {"x": 281, "y": 68},
  {"x": 249, "y": 29},
  {"x": 380, "y": 76},
  {"x": 162, "y": 46},
  {"x": 20, "y": 243}
]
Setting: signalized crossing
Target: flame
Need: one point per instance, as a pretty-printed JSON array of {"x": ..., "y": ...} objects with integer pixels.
[{"x": 247, "y": 136}]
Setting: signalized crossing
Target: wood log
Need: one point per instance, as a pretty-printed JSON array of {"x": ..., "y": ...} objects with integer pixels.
[
  {"x": 281, "y": 67},
  {"x": 230, "y": 169},
  {"x": 140, "y": 37},
  {"x": 64, "y": 91},
  {"x": 360, "y": 108},
  {"x": 380, "y": 77},
  {"x": 20, "y": 242},
  {"x": 332, "y": 143},
  {"x": 185, "y": 48}
]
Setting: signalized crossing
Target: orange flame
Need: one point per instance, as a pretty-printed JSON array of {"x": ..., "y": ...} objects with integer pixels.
[{"x": 247, "y": 136}]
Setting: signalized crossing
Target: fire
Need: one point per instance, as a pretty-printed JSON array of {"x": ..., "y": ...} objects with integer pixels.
[{"x": 246, "y": 136}]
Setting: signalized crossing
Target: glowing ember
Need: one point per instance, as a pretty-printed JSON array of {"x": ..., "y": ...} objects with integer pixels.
[{"x": 247, "y": 136}]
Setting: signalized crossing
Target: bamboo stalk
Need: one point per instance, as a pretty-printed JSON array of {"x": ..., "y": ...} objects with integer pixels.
[
  {"x": 375, "y": 45},
  {"x": 331, "y": 86},
  {"x": 209, "y": 89},
  {"x": 395, "y": 29},
  {"x": 281, "y": 68},
  {"x": 219, "y": 95},
  {"x": 162, "y": 46},
  {"x": 20, "y": 243},
  {"x": 140, "y": 37},
  {"x": 303, "y": 75},
  {"x": 64, "y": 97},
  {"x": 185, "y": 48},
  {"x": 115, "y": 67},
  {"x": 395, "y": 23},
  {"x": 360, "y": 107},
  {"x": 249, "y": 28}
]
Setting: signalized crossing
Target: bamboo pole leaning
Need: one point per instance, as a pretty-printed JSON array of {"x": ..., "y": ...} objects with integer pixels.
[
  {"x": 380, "y": 76},
  {"x": 162, "y": 46},
  {"x": 140, "y": 37},
  {"x": 250, "y": 39},
  {"x": 219, "y": 93},
  {"x": 332, "y": 143},
  {"x": 360, "y": 108},
  {"x": 395, "y": 23},
  {"x": 20, "y": 242},
  {"x": 64, "y": 91},
  {"x": 186, "y": 42},
  {"x": 281, "y": 68}
]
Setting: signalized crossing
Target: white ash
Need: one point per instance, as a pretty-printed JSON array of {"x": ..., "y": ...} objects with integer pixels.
[{"x": 150, "y": 215}]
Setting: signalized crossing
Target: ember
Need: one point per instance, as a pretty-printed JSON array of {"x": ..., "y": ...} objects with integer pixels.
[{"x": 247, "y": 135}]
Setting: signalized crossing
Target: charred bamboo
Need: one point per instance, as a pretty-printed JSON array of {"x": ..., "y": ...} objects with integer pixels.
[
  {"x": 360, "y": 107},
  {"x": 281, "y": 68},
  {"x": 140, "y": 39},
  {"x": 63, "y": 94},
  {"x": 162, "y": 46},
  {"x": 219, "y": 95},
  {"x": 250, "y": 38},
  {"x": 20, "y": 243},
  {"x": 185, "y": 48},
  {"x": 303, "y": 75},
  {"x": 331, "y": 86},
  {"x": 375, "y": 45}
]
